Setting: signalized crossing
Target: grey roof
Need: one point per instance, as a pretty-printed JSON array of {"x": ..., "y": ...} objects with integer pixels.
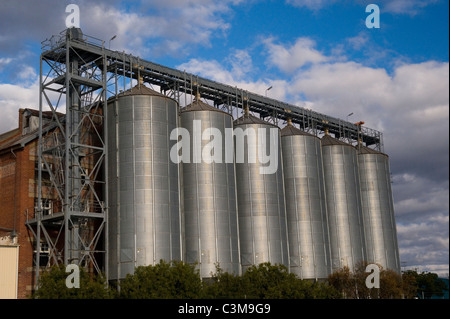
[
  {"x": 290, "y": 130},
  {"x": 328, "y": 140},
  {"x": 367, "y": 150},
  {"x": 251, "y": 119},
  {"x": 198, "y": 105},
  {"x": 141, "y": 90},
  {"x": 21, "y": 140},
  {"x": 15, "y": 139}
]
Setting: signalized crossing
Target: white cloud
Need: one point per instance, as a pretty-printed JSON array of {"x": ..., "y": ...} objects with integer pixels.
[
  {"x": 415, "y": 96},
  {"x": 416, "y": 194},
  {"x": 215, "y": 70},
  {"x": 359, "y": 41},
  {"x": 343, "y": 87},
  {"x": 210, "y": 69},
  {"x": 13, "y": 97},
  {"x": 24, "y": 94},
  {"x": 4, "y": 62},
  {"x": 425, "y": 244},
  {"x": 171, "y": 26},
  {"x": 289, "y": 59},
  {"x": 410, "y": 7},
  {"x": 311, "y": 4},
  {"x": 241, "y": 63}
]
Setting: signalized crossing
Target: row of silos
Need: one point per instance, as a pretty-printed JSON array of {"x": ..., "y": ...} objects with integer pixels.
[{"x": 309, "y": 214}]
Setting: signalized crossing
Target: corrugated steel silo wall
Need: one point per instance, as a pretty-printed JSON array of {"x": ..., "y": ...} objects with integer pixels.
[
  {"x": 346, "y": 228},
  {"x": 112, "y": 189},
  {"x": 210, "y": 207},
  {"x": 144, "y": 217},
  {"x": 378, "y": 210},
  {"x": 261, "y": 205},
  {"x": 309, "y": 247}
]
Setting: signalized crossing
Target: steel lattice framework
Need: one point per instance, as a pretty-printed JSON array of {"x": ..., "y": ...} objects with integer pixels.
[
  {"x": 71, "y": 156},
  {"x": 78, "y": 75}
]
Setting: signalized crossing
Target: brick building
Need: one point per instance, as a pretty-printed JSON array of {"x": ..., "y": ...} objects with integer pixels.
[{"x": 18, "y": 178}]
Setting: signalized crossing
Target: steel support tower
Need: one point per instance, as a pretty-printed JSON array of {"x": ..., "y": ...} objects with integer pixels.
[
  {"x": 71, "y": 168},
  {"x": 78, "y": 76}
]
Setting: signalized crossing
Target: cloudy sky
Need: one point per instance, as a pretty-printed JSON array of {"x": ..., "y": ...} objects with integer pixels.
[{"x": 315, "y": 54}]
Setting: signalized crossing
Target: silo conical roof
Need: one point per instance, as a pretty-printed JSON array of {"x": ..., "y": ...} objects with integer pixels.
[
  {"x": 141, "y": 90},
  {"x": 251, "y": 119},
  {"x": 328, "y": 140},
  {"x": 290, "y": 130},
  {"x": 367, "y": 150},
  {"x": 198, "y": 105}
]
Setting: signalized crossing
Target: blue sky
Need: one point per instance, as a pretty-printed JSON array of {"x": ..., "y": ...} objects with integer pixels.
[{"x": 315, "y": 54}]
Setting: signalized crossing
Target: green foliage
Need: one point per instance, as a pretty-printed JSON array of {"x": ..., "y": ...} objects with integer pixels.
[
  {"x": 423, "y": 285},
  {"x": 266, "y": 281},
  {"x": 341, "y": 280},
  {"x": 353, "y": 285},
  {"x": 174, "y": 280},
  {"x": 409, "y": 284},
  {"x": 223, "y": 285},
  {"x": 392, "y": 285},
  {"x": 178, "y": 280},
  {"x": 52, "y": 285}
]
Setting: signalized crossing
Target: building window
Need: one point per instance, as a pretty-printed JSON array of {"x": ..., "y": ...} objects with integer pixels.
[{"x": 46, "y": 205}]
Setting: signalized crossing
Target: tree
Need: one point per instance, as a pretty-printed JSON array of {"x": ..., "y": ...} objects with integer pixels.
[
  {"x": 223, "y": 285},
  {"x": 166, "y": 280},
  {"x": 427, "y": 284},
  {"x": 391, "y": 285},
  {"x": 52, "y": 285},
  {"x": 409, "y": 284},
  {"x": 352, "y": 285},
  {"x": 341, "y": 280},
  {"x": 267, "y": 281}
]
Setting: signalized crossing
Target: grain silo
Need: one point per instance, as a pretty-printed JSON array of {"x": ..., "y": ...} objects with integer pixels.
[
  {"x": 378, "y": 208},
  {"x": 261, "y": 203},
  {"x": 309, "y": 248},
  {"x": 209, "y": 192},
  {"x": 144, "y": 217},
  {"x": 345, "y": 220}
]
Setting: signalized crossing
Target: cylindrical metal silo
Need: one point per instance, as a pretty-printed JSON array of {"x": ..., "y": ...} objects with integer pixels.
[
  {"x": 345, "y": 220},
  {"x": 261, "y": 203},
  {"x": 209, "y": 190},
  {"x": 309, "y": 247},
  {"x": 378, "y": 208},
  {"x": 144, "y": 217}
]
